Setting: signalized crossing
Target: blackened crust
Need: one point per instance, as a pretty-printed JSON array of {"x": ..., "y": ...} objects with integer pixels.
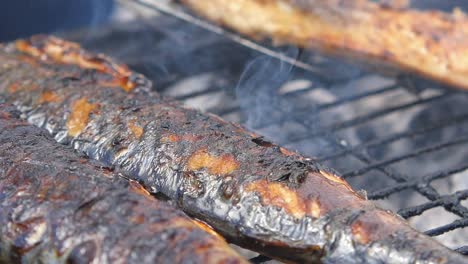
[{"x": 58, "y": 208}]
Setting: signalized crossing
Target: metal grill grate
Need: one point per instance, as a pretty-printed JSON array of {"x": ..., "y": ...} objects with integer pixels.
[
  {"x": 406, "y": 147},
  {"x": 368, "y": 166}
]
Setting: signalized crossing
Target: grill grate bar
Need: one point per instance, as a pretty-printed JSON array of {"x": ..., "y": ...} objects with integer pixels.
[
  {"x": 463, "y": 250},
  {"x": 259, "y": 259},
  {"x": 429, "y": 192},
  {"x": 363, "y": 119},
  {"x": 196, "y": 93},
  {"x": 395, "y": 137},
  {"x": 426, "y": 190},
  {"x": 460, "y": 223},
  {"x": 448, "y": 200},
  {"x": 177, "y": 12},
  {"x": 357, "y": 97},
  {"x": 385, "y": 192},
  {"x": 419, "y": 152},
  {"x": 315, "y": 110}
]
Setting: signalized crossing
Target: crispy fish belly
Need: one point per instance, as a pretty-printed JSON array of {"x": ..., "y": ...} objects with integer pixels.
[
  {"x": 58, "y": 208},
  {"x": 253, "y": 192},
  {"x": 392, "y": 38}
]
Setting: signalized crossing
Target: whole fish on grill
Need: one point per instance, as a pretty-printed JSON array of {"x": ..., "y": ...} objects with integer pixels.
[
  {"x": 388, "y": 36},
  {"x": 255, "y": 193},
  {"x": 56, "y": 207}
]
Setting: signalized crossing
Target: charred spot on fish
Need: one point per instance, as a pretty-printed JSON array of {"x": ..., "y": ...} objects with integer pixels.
[
  {"x": 355, "y": 216},
  {"x": 139, "y": 81},
  {"x": 216, "y": 127},
  {"x": 51, "y": 121},
  {"x": 87, "y": 206},
  {"x": 165, "y": 125},
  {"x": 262, "y": 142},
  {"x": 160, "y": 196},
  {"x": 69, "y": 79},
  {"x": 11, "y": 112},
  {"x": 294, "y": 172},
  {"x": 284, "y": 178},
  {"x": 129, "y": 103},
  {"x": 298, "y": 177},
  {"x": 300, "y": 168},
  {"x": 72, "y": 168},
  {"x": 107, "y": 169},
  {"x": 228, "y": 189},
  {"x": 202, "y": 117},
  {"x": 235, "y": 199},
  {"x": 116, "y": 141},
  {"x": 313, "y": 166},
  {"x": 193, "y": 186},
  {"x": 82, "y": 253}
]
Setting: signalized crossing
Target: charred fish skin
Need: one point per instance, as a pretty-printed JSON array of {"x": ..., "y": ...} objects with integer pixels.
[
  {"x": 388, "y": 36},
  {"x": 257, "y": 194},
  {"x": 58, "y": 208}
]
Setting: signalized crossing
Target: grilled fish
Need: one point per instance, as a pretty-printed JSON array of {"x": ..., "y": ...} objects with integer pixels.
[
  {"x": 56, "y": 207},
  {"x": 388, "y": 36},
  {"x": 256, "y": 194}
]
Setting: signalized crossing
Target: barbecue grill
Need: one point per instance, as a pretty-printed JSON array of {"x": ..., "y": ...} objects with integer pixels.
[{"x": 402, "y": 141}]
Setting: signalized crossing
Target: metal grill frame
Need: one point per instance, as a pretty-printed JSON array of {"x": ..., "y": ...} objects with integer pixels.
[{"x": 422, "y": 185}]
